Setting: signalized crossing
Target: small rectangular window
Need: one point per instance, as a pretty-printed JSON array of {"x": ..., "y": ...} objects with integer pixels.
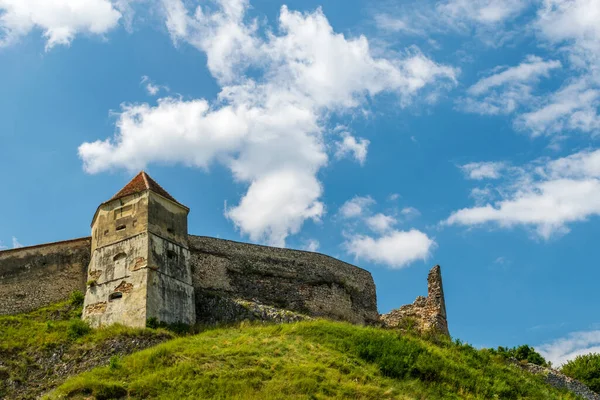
[{"x": 120, "y": 227}]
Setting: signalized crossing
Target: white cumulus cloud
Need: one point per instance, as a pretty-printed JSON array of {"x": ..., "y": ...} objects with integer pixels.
[
  {"x": 59, "y": 20},
  {"x": 547, "y": 197},
  {"x": 380, "y": 223},
  {"x": 311, "y": 245},
  {"x": 395, "y": 249},
  {"x": 564, "y": 349},
  {"x": 356, "y": 207},
  {"x": 268, "y": 124},
  {"x": 483, "y": 170},
  {"x": 349, "y": 145}
]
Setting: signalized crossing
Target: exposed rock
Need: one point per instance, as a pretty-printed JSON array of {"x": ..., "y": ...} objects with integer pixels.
[
  {"x": 559, "y": 380},
  {"x": 426, "y": 314}
]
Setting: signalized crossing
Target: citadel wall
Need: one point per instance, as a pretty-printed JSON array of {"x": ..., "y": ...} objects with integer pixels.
[
  {"x": 304, "y": 282},
  {"x": 33, "y": 277},
  {"x": 223, "y": 274}
]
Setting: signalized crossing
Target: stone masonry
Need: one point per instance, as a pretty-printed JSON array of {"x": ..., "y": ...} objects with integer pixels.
[
  {"x": 139, "y": 268},
  {"x": 35, "y": 276},
  {"x": 141, "y": 263},
  {"x": 426, "y": 314}
]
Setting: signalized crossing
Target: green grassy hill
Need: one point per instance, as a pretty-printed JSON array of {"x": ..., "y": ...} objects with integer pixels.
[{"x": 305, "y": 360}]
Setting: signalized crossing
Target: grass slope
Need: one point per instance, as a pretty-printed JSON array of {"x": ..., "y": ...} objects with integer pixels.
[
  {"x": 308, "y": 360},
  {"x": 39, "y": 350}
]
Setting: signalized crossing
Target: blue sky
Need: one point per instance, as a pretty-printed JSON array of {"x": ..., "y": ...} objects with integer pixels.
[{"x": 394, "y": 135}]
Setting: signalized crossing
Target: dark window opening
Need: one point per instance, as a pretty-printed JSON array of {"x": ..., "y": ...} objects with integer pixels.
[
  {"x": 120, "y": 227},
  {"x": 106, "y": 232},
  {"x": 115, "y": 296},
  {"x": 119, "y": 256},
  {"x": 170, "y": 230},
  {"x": 171, "y": 254}
]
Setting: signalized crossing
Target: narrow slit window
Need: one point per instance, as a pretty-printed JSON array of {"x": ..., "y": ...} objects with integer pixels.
[
  {"x": 120, "y": 227},
  {"x": 170, "y": 230},
  {"x": 115, "y": 296},
  {"x": 171, "y": 254}
]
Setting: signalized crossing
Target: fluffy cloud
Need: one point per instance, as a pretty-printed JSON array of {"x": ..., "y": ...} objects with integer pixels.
[
  {"x": 60, "y": 20},
  {"x": 572, "y": 27},
  {"x": 151, "y": 87},
  {"x": 389, "y": 246},
  {"x": 483, "y": 170},
  {"x": 573, "y": 107},
  {"x": 503, "y": 92},
  {"x": 311, "y": 245},
  {"x": 575, "y": 344},
  {"x": 395, "y": 249},
  {"x": 380, "y": 223},
  {"x": 356, "y": 207},
  {"x": 573, "y": 21},
  {"x": 350, "y": 145},
  {"x": 410, "y": 212},
  {"x": 547, "y": 197},
  {"x": 268, "y": 124}
]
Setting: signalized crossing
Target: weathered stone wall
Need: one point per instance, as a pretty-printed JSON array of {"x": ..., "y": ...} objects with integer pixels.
[
  {"x": 225, "y": 274},
  {"x": 307, "y": 283},
  {"x": 33, "y": 277},
  {"x": 426, "y": 314}
]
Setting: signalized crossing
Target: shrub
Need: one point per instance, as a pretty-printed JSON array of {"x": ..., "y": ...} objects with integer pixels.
[
  {"x": 585, "y": 368},
  {"x": 522, "y": 353},
  {"x": 78, "y": 328},
  {"x": 114, "y": 363},
  {"x": 77, "y": 298}
]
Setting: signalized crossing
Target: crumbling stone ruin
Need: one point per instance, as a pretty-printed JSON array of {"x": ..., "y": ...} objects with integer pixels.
[
  {"x": 426, "y": 314},
  {"x": 140, "y": 263}
]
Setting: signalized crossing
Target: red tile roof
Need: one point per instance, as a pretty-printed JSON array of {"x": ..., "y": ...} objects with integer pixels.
[{"x": 141, "y": 182}]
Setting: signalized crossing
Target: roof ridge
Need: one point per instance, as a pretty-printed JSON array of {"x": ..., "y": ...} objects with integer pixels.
[{"x": 145, "y": 176}]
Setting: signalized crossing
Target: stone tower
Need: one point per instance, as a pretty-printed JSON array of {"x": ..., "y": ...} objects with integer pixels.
[{"x": 140, "y": 262}]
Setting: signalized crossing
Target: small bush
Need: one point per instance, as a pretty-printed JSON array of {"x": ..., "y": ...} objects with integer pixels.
[
  {"x": 91, "y": 282},
  {"x": 585, "y": 368},
  {"x": 78, "y": 328},
  {"x": 522, "y": 353},
  {"x": 77, "y": 298},
  {"x": 114, "y": 363}
]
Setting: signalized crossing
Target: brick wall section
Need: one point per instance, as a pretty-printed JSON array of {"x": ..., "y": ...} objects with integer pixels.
[
  {"x": 33, "y": 277},
  {"x": 304, "y": 282},
  {"x": 426, "y": 314}
]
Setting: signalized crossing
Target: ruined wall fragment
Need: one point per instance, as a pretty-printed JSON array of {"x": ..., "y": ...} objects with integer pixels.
[{"x": 426, "y": 314}]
